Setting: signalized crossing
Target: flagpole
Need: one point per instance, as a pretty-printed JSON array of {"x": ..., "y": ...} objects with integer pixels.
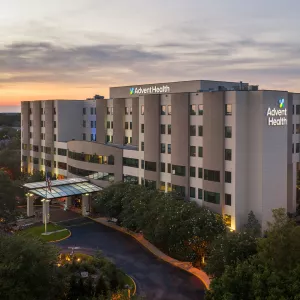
[{"x": 45, "y": 212}]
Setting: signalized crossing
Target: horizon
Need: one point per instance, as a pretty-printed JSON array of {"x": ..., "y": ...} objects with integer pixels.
[{"x": 55, "y": 51}]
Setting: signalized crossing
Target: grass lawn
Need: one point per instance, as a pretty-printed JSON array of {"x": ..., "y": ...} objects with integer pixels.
[{"x": 38, "y": 230}]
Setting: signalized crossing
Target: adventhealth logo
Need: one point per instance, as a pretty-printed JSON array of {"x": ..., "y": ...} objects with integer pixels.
[
  {"x": 149, "y": 90},
  {"x": 277, "y": 117},
  {"x": 281, "y": 103}
]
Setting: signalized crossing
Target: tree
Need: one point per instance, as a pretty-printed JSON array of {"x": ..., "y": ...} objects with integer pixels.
[
  {"x": 228, "y": 250},
  {"x": 253, "y": 226},
  {"x": 28, "y": 269},
  {"x": 10, "y": 159},
  {"x": 272, "y": 273},
  {"x": 7, "y": 198}
]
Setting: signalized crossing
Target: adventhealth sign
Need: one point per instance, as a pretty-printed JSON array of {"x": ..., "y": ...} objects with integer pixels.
[
  {"x": 149, "y": 90},
  {"x": 277, "y": 117}
]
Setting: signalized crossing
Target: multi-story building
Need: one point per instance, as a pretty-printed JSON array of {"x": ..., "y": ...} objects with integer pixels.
[{"x": 228, "y": 146}]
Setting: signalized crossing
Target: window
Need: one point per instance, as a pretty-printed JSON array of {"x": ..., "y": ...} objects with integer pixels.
[
  {"x": 192, "y": 130},
  {"x": 169, "y": 128},
  {"x": 228, "y": 132},
  {"x": 192, "y": 172},
  {"x": 84, "y": 111},
  {"x": 212, "y": 175},
  {"x": 162, "y": 109},
  {"x": 192, "y": 192},
  {"x": 142, "y": 109},
  {"x": 24, "y": 146},
  {"x": 131, "y": 110},
  {"x": 130, "y": 162},
  {"x": 54, "y": 124},
  {"x": 227, "y": 154},
  {"x": 227, "y": 177},
  {"x": 180, "y": 190},
  {"x": 169, "y": 148},
  {"x": 112, "y": 125},
  {"x": 169, "y": 168},
  {"x": 162, "y": 186},
  {"x": 200, "y": 130},
  {"x": 293, "y": 109},
  {"x": 42, "y": 111},
  {"x": 212, "y": 197},
  {"x": 109, "y": 139},
  {"x": 30, "y": 123},
  {"x": 54, "y": 137},
  {"x": 84, "y": 123},
  {"x": 130, "y": 140},
  {"x": 169, "y": 110},
  {"x": 142, "y": 164},
  {"x": 92, "y": 137},
  {"x": 130, "y": 125},
  {"x": 298, "y": 109},
  {"x": 35, "y": 148},
  {"x": 54, "y": 110},
  {"x": 228, "y": 199},
  {"x": 62, "y": 152},
  {"x": 297, "y": 128},
  {"x": 126, "y": 110},
  {"x": 62, "y": 165},
  {"x": 150, "y": 166},
  {"x": 200, "y": 109},
  {"x": 142, "y": 146},
  {"x": 227, "y": 219},
  {"x": 108, "y": 125},
  {"x": 151, "y": 184},
  {"x": 126, "y": 125},
  {"x": 162, "y": 167},
  {"x": 200, "y": 194},
  {"x": 297, "y": 147},
  {"x": 200, "y": 173},
  {"x": 92, "y": 124},
  {"x": 142, "y": 128},
  {"x": 193, "y": 151},
  {"x": 42, "y": 136},
  {"x": 162, "y": 148},
  {"x": 162, "y": 128},
  {"x": 126, "y": 140},
  {"x": 178, "y": 170},
  {"x": 200, "y": 151},
  {"x": 35, "y": 160},
  {"x": 30, "y": 110},
  {"x": 92, "y": 110},
  {"x": 228, "y": 109},
  {"x": 169, "y": 187},
  {"x": 42, "y": 124},
  {"x": 84, "y": 136},
  {"x": 193, "y": 110},
  {"x": 109, "y": 110}
]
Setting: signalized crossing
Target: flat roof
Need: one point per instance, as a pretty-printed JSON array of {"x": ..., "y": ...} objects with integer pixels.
[{"x": 62, "y": 188}]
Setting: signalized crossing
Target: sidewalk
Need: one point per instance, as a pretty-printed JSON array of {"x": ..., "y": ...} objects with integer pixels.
[{"x": 186, "y": 266}]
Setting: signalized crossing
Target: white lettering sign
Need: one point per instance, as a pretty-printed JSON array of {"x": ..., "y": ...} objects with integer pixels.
[
  {"x": 277, "y": 117},
  {"x": 149, "y": 90}
]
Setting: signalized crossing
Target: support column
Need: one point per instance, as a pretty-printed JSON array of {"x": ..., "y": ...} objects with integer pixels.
[
  {"x": 30, "y": 208},
  {"x": 85, "y": 205},
  {"x": 68, "y": 202},
  {"x": 46, "y": 211}
]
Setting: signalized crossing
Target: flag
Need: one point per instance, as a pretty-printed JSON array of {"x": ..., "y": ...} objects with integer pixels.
[{"x": 48, "y": 182}]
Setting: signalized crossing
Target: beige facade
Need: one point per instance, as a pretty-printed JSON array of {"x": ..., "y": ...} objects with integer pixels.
[{"x": 216, "y": 143}]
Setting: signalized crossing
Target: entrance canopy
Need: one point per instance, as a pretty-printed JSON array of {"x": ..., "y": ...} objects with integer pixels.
[{"x": 62, "y": 188}]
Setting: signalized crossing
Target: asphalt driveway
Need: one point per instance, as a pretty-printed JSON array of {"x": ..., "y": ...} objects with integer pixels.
[{"x": 155, "y": 279}]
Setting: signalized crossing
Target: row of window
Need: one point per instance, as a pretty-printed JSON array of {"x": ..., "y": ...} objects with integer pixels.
[
  {"x": 91, "y": 174},
  {"x": 42, "y": 111},
  {"x": 167, "y": 109},
  {"x": 93, "y": 137},
  {"x": 46, "y": 162},
  {"x": 93, "y": 124},
  {"x": 92, "y": 158},
  {"x": 47, "y": 150},
  {"x": 92, "y": 110}
]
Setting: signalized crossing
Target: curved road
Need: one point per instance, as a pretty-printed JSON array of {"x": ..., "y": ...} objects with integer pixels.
[{"x": 155, "y": 279}]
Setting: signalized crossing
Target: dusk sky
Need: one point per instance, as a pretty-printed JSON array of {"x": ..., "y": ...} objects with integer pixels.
[{"x": 74, "y": 49}]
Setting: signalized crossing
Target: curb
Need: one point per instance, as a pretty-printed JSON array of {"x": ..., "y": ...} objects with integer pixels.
[
  {"x": 134, "y": 284},
  {"x": 62, "y": 238},
  {"x": 203, "y": 276}
]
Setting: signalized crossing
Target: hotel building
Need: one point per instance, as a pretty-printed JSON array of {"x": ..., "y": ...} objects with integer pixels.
[{"x": 227, "y": 146}]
